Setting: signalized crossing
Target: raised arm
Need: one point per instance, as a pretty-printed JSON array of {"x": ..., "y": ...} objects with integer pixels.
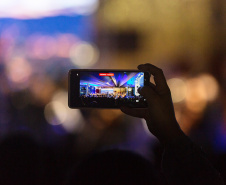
[{"x": 183, "y": 162}]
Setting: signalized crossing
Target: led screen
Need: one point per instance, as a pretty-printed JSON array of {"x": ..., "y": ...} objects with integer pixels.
[{"x": 111, "y": 87}]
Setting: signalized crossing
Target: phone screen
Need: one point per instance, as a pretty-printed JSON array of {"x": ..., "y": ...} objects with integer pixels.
[{"x": 110, "y": 89}]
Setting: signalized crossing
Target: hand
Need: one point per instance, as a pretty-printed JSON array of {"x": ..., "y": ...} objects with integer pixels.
[{"x": 159, "y": 115}]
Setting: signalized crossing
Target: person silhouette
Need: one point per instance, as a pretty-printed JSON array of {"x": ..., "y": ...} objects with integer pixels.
[
  {"x": 115, "y": 167},
  {"x": 183, "y": 162}
]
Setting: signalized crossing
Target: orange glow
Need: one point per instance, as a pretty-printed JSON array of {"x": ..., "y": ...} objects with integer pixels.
[
  {"x": 211, "y": 86},
  {"x": 178, "y": 89},
  {"x": 196, "y": 98}
]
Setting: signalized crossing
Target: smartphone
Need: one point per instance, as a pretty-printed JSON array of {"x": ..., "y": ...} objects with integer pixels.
[{"x": 106, "y": 88}]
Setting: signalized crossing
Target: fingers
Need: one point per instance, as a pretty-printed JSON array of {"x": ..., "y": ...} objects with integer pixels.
[
  {"x": 160, "y": 80},
  {"x": 148, "y": 93},
  {"x": 139, "y": 113},
  {"x": 152, "y": 85}
]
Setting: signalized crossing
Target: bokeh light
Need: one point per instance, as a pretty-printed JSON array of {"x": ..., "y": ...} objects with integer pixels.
[
  {"x": 57, "y": 112},
  {"x": 41, "y": 47},
  {"x": 196, "y": 99},
  {"x": 211, "y": 86},
  {"x": 19, "y": 71},
  {"x": 178, "y": 89},
  {"x": 84, "y": 54},
  {"x": 201, "y": 90},
  {"x": 64, "y": 44}
]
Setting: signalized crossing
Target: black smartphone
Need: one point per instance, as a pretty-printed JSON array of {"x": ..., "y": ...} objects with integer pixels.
[{"x": 106, "y": 88}]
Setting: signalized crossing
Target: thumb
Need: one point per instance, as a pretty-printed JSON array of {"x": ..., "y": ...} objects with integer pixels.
[{"x": 148, "y": 93}]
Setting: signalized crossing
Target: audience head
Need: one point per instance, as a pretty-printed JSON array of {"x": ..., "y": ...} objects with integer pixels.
[
  {"x": 115, "y": 167},
  {"x": 19, "y": 160}
]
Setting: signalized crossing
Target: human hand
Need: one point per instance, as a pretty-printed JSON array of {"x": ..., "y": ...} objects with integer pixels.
[{"x": 159, "y": 115}]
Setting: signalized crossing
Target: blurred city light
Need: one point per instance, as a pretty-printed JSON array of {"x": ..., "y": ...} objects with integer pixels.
[
  {"x": 44, "y": 47},
  {"x": 41, "y": 47},
  {"x": 19, "y": 71},
  {"x": 84, "y": 54},
  {"x": 57, "y": 112},
  {"x": 35, "y": 9},
  {"x": 178, "y": 89},
  {"x": 64, "y": 44}
]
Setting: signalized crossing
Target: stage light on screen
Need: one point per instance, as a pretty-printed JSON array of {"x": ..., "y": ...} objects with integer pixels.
[
  {"x": 23, "y": 9},
  {"x": 84, "y": 54},
  {"x": 178, "y": 89}
]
